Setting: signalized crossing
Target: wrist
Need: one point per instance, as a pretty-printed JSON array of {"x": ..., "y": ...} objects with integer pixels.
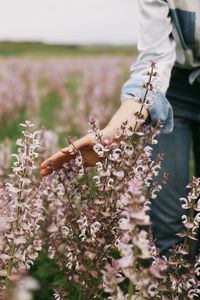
[
  {"x": 133, "y": 105},
  {"x": 125, "y": 113},
  {"x": 107, "y": 133}
]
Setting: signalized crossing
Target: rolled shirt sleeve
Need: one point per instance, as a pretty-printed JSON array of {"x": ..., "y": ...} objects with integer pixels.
[{"x": 156, "y": 44}]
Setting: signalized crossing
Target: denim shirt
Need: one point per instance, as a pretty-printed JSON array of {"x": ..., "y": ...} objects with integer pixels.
[{"x": 169, "y": 34}]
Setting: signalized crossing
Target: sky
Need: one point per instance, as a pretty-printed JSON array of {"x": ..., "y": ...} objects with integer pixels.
[{"x": 69, "y": 21}]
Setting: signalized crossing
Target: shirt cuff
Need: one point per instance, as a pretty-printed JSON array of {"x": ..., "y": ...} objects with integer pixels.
[{"x": 160, "y": 109}]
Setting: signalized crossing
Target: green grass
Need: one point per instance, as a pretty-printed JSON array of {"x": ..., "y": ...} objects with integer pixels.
[
  {"x": 37, "y": 49},
  {"x": 72, "y": 85},
  {"x": 47, "y": 111},
  {"x": 48, "y": 276},
  {"x": 12, "y": 130},
  {"x": 47, "y": 116}
]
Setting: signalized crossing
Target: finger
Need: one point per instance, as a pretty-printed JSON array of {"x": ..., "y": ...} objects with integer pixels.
[
  {"x": 44, "y": 164},
  {"x": 67, "y": 150},
  {"x": 45, "y": 172},
  {"x": 82, "y": 142},
  {"x": 57, "y": 160}
]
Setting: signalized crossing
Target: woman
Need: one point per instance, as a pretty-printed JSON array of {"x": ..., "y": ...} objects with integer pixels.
[{"x": 169, "y": 34}]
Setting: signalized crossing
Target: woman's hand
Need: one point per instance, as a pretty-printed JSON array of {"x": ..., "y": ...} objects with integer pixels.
[{"x": 85, "y": 144}]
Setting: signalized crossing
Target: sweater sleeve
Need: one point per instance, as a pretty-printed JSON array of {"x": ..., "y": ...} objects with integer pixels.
[{"x": 156, "y": 44}]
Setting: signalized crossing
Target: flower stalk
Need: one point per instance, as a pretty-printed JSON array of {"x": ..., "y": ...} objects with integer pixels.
[{"x": 21, "y": 211}]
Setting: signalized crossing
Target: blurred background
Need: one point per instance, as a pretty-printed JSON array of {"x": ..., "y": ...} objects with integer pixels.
[
  {"x": 60, "y": 62},
  {"x": 93, "y": 22}
]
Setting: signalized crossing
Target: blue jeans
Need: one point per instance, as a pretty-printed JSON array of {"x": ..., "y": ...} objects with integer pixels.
[{"x": 166, "y": 209}]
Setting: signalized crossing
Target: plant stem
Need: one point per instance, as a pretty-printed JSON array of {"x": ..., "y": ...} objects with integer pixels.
[
  {"x": 131, "y": 287},
  {"x": 145, "y": 96},
  {"x": 187, "y": 242},
  {"x": 10, "y": 265},
  {"x": 13, "y": 246},
  {"x": 79, "y": 296},
  {"x": 130, "y": 290}
]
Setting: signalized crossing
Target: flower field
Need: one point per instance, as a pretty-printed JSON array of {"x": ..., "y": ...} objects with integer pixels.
[
  {"x": 83, "y": 233},
  {"x": 77, "y": 86}
]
